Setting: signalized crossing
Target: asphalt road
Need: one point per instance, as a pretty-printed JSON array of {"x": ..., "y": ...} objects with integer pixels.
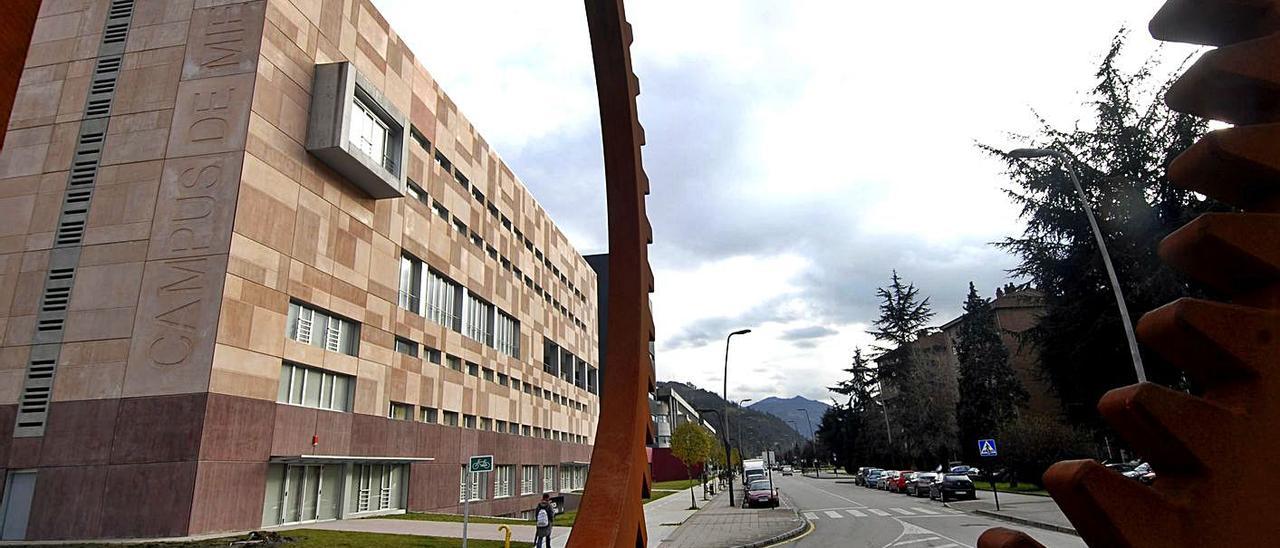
[{"x": 846, "y": 515}]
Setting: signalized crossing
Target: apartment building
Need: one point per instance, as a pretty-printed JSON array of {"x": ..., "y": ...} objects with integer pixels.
[{"x": 256, "y": 269}]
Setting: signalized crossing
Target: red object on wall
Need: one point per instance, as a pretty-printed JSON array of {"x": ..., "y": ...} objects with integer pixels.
[
  {"x": 666, "y": 467},
  {"x": 16, "y": 26}
]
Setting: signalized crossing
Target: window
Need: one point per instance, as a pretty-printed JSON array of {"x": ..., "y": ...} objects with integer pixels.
[
  {"x": 430, "y": 415},
  {"x": 370, "y": 134},
  {"x": 488, "y": 374},
  {"x": 441, "y": 297},
  {"x": 450, "y": 418},
  {"x": 442, "y": 211},
  {"x": 468, "y": 421},
  {"x": 506, "y": 223},
  {"x": 475, "y": 484},
  {"x": 477, "y": 318},
  {"x": 515, "y": 384},
  {"x": 500, "y": 426},
  {"x": 528, "y": 388},
  {"x": 486, "y": 424},
  {"x": 400, "y": 411},
  {"x": 548, "y": 478},
  {"x": 433, "y": 355},
  {"x": 476, "y": 240},
  {"x": 473, "y": 369},
  {"x": 503, "y": 379},
  {"x": 310, "y": 387},
  {"x": 526, "y": 430},
  {"x": 479, "y": 196},
  {"x": 528, "y": 480},
  {"x": 506, "y": 334},
  {"x": 415, "y": 192},
  {"x": 455, "y": 363},
  {"x": 406, "y": 347},
  {"x": 317, "y": 328},
  {"x": 460, "y": 226},
  {"x": 491, "y": 251},
  {"x": 443, "y": 162},
  {"x": 503, "y": 488},
  {"x": 419, "y": 138},
  {"x": 461, "y": 179}
]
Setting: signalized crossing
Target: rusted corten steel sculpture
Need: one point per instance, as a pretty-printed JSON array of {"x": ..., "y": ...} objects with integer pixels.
[
  {"x": 611, "y": 513},
  {"x": 16, "y": 26},
  {"x": 1215, "y": 453}
]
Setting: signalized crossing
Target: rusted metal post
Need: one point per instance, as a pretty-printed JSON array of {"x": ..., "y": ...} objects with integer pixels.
[{"x": 612, "y": 513}]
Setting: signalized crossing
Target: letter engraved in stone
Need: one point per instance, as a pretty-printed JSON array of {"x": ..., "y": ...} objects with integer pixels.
[
  {"x": 224, "y": 36},
  {"x": 214, "y": 126},
  {"x": 167, "y": 350}
]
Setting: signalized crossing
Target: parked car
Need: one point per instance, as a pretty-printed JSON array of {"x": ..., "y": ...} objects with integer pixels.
[
  {"x": 882, "y": 480},
  {"x": 860, "y": 477},
  {"x": 1121, "y": 467},
  {"x": 899, "y": 484},
  {"x": 953, "y": 487},
  {"x": 872, "y": 475},
  {"x": 966, "y": 470},
  {"x": 760, "y": 494},
  {"x": 919, "y": 485},
  {"x": 1142, "y": 473}
]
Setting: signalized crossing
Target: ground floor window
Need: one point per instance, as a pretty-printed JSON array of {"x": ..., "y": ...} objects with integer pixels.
[
  {"x": 473, "y": 484},
  {"x": 314, "y": 492},
  {"x": 528, "y": 480},
  {"x": 548, "y": 478}
]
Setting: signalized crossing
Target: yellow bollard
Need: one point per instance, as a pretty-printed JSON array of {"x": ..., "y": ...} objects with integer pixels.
[{"x": 507, "y": 530}]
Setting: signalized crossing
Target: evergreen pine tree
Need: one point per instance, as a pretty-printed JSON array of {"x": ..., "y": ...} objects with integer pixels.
[{"x": 990, "y": 392}]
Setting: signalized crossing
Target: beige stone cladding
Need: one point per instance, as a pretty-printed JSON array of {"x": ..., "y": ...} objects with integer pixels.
[{"x": 302, "y": 233}]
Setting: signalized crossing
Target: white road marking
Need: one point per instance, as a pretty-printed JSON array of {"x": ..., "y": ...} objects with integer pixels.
[
  {"x": 923, "y": 510},
  {"x": 810, "y": 515},
  {"x": 903, "y": 512},
  {"x": 856, "y": 513},
  {"x": 846, "y": 499},
  {"x": 878, "y": 512},
  {"x": 949, "y": 545},
  {"x": 906, "y": 542},
  {"x": 834, "y": 514}
]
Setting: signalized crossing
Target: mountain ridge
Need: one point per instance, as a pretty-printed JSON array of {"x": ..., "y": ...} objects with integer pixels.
[
  {"x": 755, "y": 429},
  {"x": 788, "y": 411}
]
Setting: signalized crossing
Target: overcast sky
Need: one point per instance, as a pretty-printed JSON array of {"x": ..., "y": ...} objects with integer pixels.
[{"x": 798, "y": 151}]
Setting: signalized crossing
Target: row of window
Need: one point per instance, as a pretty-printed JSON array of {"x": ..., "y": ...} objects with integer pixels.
[
  {"x": 405, "y": 412},
  {"x": 560, "y": 362},
  {"x": 476, "y": 485},
  {"x": 430, "y": 294},
  {"x": 411, "y": 348},
  {"x": 417, "y": 193}
]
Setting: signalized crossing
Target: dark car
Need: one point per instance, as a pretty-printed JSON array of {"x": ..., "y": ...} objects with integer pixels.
[
  {"x": 952, "y": 487},
  {"x": 871, "y": 477},
  {"x": 860, "y": 477},
  {"x": 919, "y": 486},
  {"x": 760, "y": 494}
]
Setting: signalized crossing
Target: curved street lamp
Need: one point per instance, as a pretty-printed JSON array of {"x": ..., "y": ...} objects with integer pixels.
[
  {"x": 817, "y": 471},
  {"x": 724, "y": 415},
  {"x": 1034, "y": 153}
]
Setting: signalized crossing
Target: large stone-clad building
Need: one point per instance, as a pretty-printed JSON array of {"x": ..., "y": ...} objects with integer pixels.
[{"x": 256, "y": 268}]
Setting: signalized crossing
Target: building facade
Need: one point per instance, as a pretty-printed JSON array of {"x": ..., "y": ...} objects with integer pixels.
[
  {"x": 669, "y": 410},
  {"x": 257, "y": 269}
]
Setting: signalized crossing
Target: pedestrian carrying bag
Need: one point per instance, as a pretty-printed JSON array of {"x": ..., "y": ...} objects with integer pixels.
[{"x": 543, "y": 519}]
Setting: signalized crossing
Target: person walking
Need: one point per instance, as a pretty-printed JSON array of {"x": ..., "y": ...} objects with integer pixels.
[{"x": 543, "y": 516}]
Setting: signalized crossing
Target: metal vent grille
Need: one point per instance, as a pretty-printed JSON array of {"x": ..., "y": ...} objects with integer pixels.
[{"x": 51, "y": 318}]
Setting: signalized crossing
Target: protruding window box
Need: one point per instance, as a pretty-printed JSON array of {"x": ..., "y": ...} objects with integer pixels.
[{"x": 355, "y": 130}]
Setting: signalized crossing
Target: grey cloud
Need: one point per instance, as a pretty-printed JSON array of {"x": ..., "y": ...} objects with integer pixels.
[{"x": 805, "y": 333}]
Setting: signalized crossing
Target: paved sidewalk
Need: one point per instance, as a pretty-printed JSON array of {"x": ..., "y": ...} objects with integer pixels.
[
  {"x": 1032, "y": 510},
  {"x": 718, "y": 525},
  {"x": 523, "y": 533},
  {"x": 663, "y": 516}
]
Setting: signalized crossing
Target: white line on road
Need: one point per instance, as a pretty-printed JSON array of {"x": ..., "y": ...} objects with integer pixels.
[
  {"x": 856, "y": 513},
  {"x": 846, "y": 499},
  {"x": 835, "y": 515},
  {"x": 878, "y": 512},
  {"x": 950, "y": 545},
  {"x": 906, "y": 542},
  {"x": 810, "y": 515},
  {"x": 903, "y": 512},
  {"x": 923, "y": 510}
]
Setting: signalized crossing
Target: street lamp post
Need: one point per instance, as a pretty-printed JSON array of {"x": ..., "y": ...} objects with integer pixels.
[
  {"x": 1031, "y": 153},
  {"x": 885, "y": 409},
  {"x": 742, "y": 448},
  {"x": 817, "y": 472},
  {"x": 796, "y": 426},
  {"x": 724, "y": 416}
]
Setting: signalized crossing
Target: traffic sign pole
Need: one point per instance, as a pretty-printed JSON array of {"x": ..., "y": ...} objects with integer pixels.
[
  {"x": 987, "y": 448},
  {"x": 475, "y": 465}
]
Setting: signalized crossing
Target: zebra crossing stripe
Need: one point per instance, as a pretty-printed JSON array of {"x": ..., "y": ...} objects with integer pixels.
[
  {"x": 878, "y": 512},
  {"x": 923, "y": 510},
  {"x": 856, "y": 513},
  {"x": 834, "y": 514},
  {"x": 903, "y": 512},
  {"x": 810, "y": 515},
  {"x": 916, "y": 541}
]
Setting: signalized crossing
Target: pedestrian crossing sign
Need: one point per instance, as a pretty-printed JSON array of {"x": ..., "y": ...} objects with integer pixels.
[{"x": 987, "y": 448}]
